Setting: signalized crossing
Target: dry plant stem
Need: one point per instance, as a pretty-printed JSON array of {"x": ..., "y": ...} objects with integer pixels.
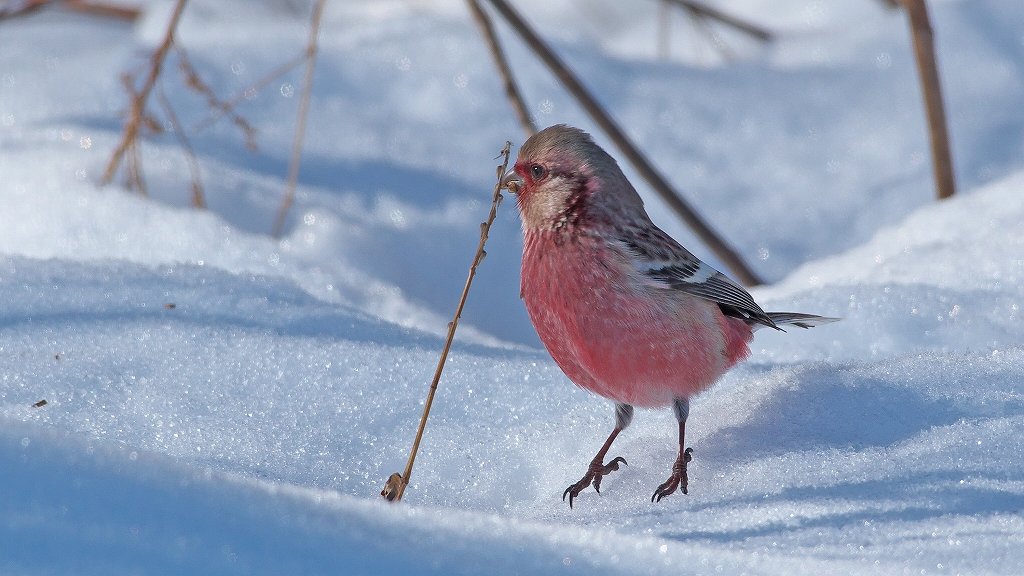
[
  {"x": 924, "y": 49},
  {"x": 24, "y": 9},
  {"x": 515, "y": 98},
  {"x": 96, "y": 8},
  {"x": 727, "y": 255},
  {"x": 102, "y": 9},
  {"x": 198, "y": 199},
  {"x": 300, "y": 123},
  {"x": 228, "y": 106},
  {"x": 194, "y": 82},
  {"x": 133, "y": 169},
  {"x": 396, "y": 483},
  {"x": 135, "y": 116},
  {"x": 746, "y": 27}
]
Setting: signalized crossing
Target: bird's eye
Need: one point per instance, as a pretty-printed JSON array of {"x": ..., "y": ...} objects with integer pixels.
[{"x": 537, "y": 171}]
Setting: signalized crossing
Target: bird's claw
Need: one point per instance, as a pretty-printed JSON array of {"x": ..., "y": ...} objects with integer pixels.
[
  {"x": 678, "y": 480},
  {"x": 594, "y": 474}
]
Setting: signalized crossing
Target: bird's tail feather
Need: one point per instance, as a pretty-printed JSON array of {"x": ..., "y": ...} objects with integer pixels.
[{"x": 800, "y": 320}]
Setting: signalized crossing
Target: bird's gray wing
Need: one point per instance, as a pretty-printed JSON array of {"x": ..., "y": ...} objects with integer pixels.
[{"x": 660, "y": 258}]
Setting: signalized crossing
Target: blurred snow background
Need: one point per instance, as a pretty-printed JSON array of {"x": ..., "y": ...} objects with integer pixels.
[{"x": 249, "y": 428}]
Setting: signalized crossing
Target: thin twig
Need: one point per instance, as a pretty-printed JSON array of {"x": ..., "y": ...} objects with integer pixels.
[
  {"x": 394, "y": 488},
  {"x": 138, "y": 106},
  {"x": 198, "y": 199},
  {"x": 727, "y": 255},
  {"x": 26, "y": 7},
  {"x": 924, "y": 49},
  {"x": 23, "y": 8},
  {"x": 300, "y": 123},
  {"x": 227, "y": 106},
  {"x": 195, "y": 82},
  {"x": 133, "y": 169},
  {"x": 103, "y": 9},
  {"x": 515, "y": 98},
  {"x": 743, "y": 26}
]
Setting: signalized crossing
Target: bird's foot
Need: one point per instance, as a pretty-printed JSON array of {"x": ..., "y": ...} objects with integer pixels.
[
  {"x": 678, "y": 478},
  {"x": 593, "y": 476}
]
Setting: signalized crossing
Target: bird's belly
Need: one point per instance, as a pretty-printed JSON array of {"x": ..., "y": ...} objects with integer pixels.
[{"x": 642, "y": 346}]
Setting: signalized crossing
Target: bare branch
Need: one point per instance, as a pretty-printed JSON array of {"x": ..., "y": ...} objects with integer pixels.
[
  {"x": 194, "y": 82},
  {"x": 300, "y": 122},
  {"x": 129, "y": 139},
  {"x": 511, "y": 90},
  {"x": 198, "y": 199},
  {"x": 230, "y": 104},
  {"x": 731, "y": 21},
  {"x": 104, "y": 9},
  {"x": 702, "y": 24},
  {"x": 23, "y": 8},
  {"x": 924, "y": 49},
  {"x": 26, "y": 7}
]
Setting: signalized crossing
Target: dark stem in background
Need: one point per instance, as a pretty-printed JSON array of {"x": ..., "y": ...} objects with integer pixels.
[
  {"x": 698, "y": 9},
  {"x": 394, "y": 488},
  {"x": 511, "y": 90},
  {"x": 702, "y": 230},
  {"x": 300, "y": 123},
  {"x": 97, "y": 8},
  {"x": 924, "y": 50}
]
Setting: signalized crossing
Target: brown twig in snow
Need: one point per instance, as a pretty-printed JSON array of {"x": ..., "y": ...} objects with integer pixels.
[
  {"x": 198, "y": 199},
  {"x": 701, "y": 16},
  {"x": 133, "y": 168},
  {"x": 300, "y": 123},
  {"x": 924, "y": 50},
  {"x": 394, "y": 488},
  {"x": 227, "y": 106},
  {"x": 26, "y": 7},
  {"x": 194, "y": 82},
  {"x": 137, "y": 112},
  {"x": 515, "y": 98},
  {"x": 697, "y": 8},
  {"x": 727, "y": 255}
]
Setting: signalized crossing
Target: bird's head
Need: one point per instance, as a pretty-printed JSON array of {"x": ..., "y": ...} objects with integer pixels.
[{"x": 562, "y": 176}]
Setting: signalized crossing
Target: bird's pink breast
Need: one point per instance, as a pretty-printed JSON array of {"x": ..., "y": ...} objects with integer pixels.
[{"x": 631, "y": 343}]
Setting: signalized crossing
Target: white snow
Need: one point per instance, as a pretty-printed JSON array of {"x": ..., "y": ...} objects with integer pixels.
[{"x": 249, "y": 427}]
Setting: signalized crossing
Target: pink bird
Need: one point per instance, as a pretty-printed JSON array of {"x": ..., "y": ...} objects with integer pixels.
[{"x": 623, "y": 309}]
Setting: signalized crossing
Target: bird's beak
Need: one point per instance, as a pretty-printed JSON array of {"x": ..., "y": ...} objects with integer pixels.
[{"x": 512, "y": 182}]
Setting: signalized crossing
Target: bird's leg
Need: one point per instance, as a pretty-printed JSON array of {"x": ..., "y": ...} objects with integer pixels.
[
  {"x": 681, "y": 407},
  {"x": 598, "y": 469}
]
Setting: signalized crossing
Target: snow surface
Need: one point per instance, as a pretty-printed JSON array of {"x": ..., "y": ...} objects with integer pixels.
[{"x": 249, "y": 427}]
